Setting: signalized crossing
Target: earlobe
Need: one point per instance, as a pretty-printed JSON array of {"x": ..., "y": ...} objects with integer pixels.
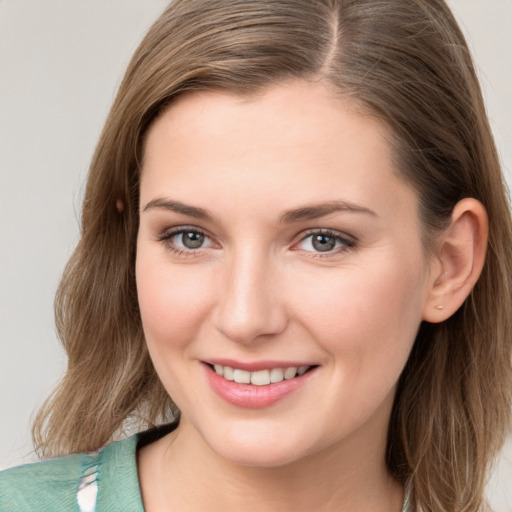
[{"x": 458, "y": 260}]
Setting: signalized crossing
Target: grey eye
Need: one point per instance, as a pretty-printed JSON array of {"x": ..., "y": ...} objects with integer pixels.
[
  {"x": 323, "y": 243},
  {"x": 192, "y": 239}
]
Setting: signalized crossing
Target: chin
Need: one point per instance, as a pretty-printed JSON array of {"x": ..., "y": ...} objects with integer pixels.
[
  {"x": 258, "y": 446},
  {"x": 258, "y": 456}
]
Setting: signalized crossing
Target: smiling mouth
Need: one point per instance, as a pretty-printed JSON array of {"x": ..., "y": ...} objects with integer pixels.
[{"x": 259, "y": 377}]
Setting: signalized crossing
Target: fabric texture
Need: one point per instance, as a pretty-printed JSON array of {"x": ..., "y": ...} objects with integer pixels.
[
  {"x": 103, "y": 481},
  {"x": 93, "y": 482}
]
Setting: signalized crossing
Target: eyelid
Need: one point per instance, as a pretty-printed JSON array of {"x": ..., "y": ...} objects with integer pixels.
[
  {"x": 165, "y": 236},
  {"x": 348, "y": 242}
]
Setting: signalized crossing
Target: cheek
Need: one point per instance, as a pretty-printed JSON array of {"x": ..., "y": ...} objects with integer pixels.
[
  {"x": 367, "y": 315},
  {"x": 172, "y": 300}
]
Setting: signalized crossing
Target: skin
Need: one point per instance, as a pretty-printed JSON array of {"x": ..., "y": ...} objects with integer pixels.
[{"x": 258, "y": 290}]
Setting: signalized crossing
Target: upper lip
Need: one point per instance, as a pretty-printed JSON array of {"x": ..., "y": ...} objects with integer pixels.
[{"x": 254, "y": 366}]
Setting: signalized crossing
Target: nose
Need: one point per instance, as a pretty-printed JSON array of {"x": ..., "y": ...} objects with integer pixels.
[{"x": 251, "y": 306}]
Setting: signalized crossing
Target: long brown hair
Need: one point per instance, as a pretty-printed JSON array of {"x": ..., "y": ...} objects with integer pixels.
[{"x": 405, "y": 62}]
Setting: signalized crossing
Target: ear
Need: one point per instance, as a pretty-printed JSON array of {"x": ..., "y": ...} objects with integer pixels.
[{"x": 457, "y": 260}]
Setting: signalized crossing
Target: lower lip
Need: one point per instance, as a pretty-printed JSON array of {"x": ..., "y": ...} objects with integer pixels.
[{"x": 250, "y": 396}]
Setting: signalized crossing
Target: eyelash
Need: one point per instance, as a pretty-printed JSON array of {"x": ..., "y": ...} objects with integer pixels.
[
  {"x": 347, "y": 243},
  {"x": 167, "y": 236}
]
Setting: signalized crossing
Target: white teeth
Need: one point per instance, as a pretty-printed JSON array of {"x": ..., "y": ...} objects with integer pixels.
[
  {"x": 276, "y": 375},
  {"x": 228, "y": 373},
  {"x": 260, "y": 377},
  {"x": 289, "y": 373},
  {"x": 241, "y": 376},
  {"x": 302, "y": 370}
]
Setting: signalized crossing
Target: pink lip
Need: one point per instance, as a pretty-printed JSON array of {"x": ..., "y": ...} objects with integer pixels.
[{"x": 253, "y": 397}]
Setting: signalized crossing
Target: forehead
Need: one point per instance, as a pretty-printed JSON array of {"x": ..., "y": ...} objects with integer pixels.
[
  {"x": 295, "y": 143},
  {"x": 280, "y": 105}
]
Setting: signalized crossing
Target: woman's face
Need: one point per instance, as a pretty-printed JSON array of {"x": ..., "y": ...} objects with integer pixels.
[{"x": 275, "y": 237}]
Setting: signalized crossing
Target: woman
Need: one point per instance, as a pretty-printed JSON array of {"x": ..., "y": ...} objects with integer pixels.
[{"x": 295, "y": 228}]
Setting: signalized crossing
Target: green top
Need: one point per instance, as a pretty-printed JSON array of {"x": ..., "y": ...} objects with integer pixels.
[
  {"x": 70, "y": 483},
  {"x": 103, "y": 481}
]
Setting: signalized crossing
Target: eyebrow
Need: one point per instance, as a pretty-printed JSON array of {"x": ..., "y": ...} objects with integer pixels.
[
  {"x": 316, "y": 211},
  {"x": 178, "y": 207},
  {"x": 308, "y": 212}
]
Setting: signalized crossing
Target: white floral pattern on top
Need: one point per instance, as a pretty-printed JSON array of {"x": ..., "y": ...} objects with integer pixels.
[{"x": 87, "y": 493}]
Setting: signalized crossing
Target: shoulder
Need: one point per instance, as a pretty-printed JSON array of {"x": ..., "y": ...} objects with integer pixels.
[
  {"x": 69, "y": 483},
  {"x": 103, "y": 480},
  {"x": 48, "y": 485}
]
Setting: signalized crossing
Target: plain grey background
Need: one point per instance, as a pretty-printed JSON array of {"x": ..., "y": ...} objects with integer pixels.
[{"x": 60, "y": 64}]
